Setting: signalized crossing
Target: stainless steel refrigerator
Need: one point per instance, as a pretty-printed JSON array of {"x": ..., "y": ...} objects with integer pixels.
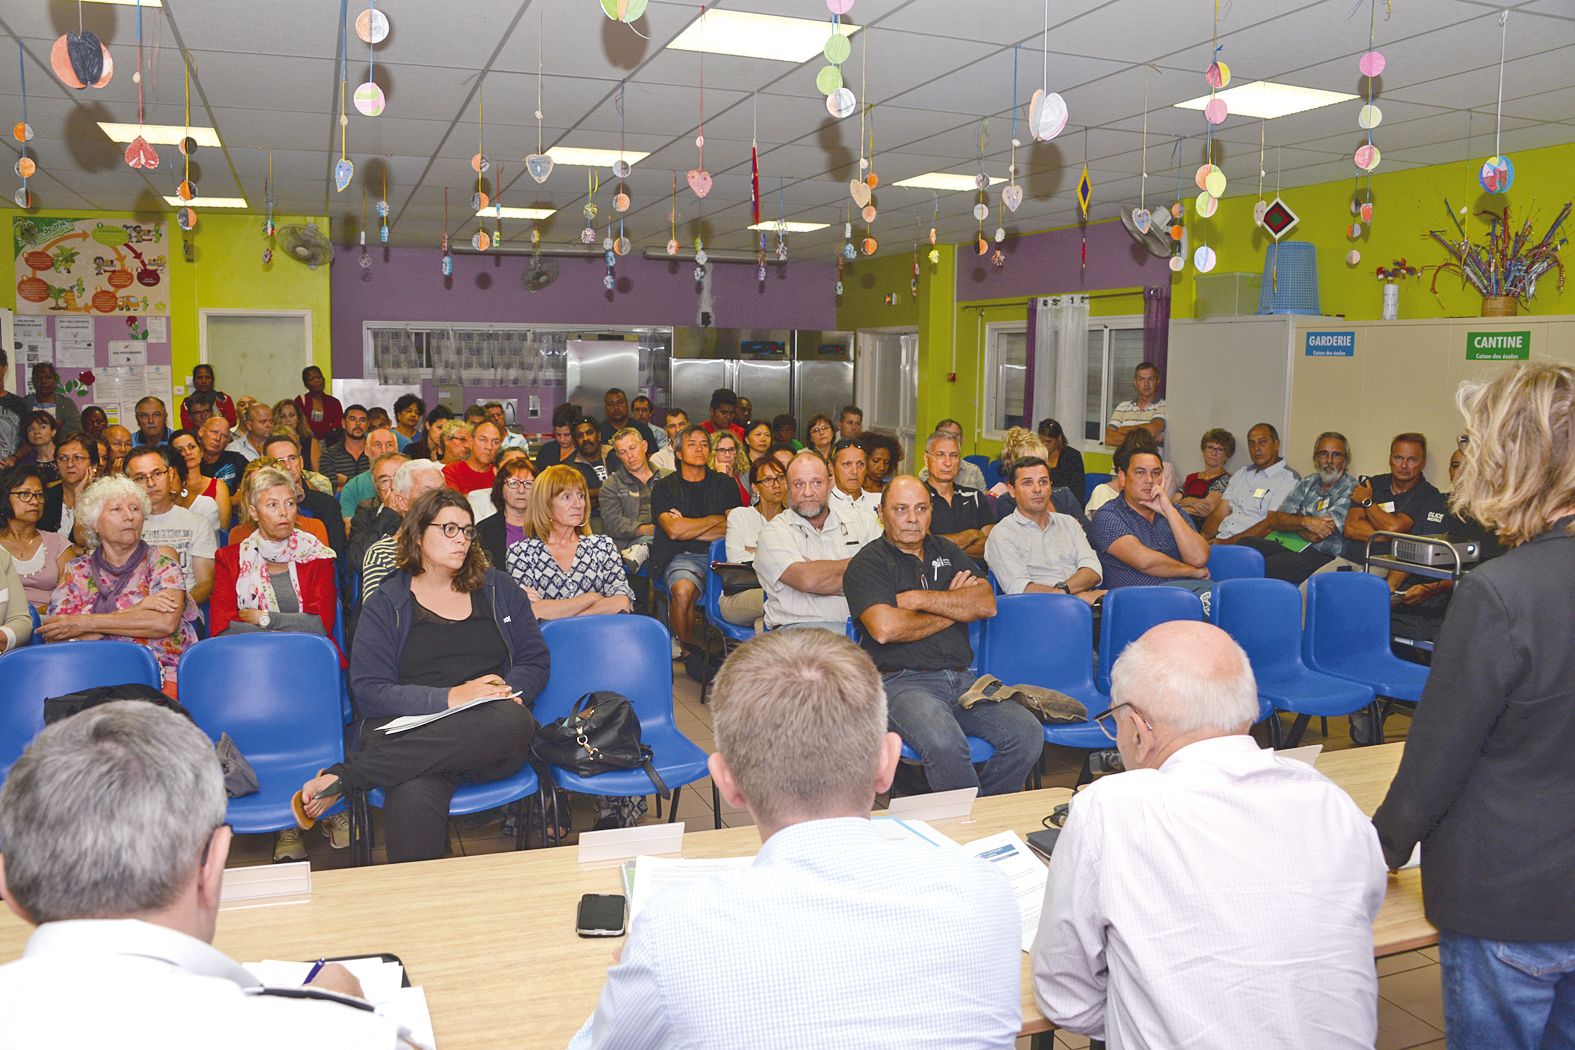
[{"x": 801, "y": 373}]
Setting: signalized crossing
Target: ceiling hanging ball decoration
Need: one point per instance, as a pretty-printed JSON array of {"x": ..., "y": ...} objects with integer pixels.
[
  {"x": 1498, "y": 171},
  {"x": 1497, "y": 174},
  {"x": 1217, "y": 76},
  {"x": 186, "y": 217},
  {"x": 625, "y": 11},
  {"x": 1371, "y": 64},
  {"x": 81, "y": 61},
  {"x": 369, "y": 99}
]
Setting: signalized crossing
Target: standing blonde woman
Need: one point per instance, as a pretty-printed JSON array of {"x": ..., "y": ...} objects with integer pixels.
[{"x": 1486, "y": 784}]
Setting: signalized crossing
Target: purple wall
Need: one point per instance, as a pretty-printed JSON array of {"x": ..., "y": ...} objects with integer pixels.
[
  {"x": 1049, "y": 263},
  {"x": 406, "y": 284}
]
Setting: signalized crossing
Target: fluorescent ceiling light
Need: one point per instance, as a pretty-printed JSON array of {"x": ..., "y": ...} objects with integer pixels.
[
  {"x": 206, "y": 202},
  {"x": 584, "y": 157},
  {"x": 757, "y": 36},
  {"x": 1261, "y": 98},
  {"x": 515, "y": 213},
  {"x": 941, "y": 180},
  {"x": 160, "y": 134},
  {"x": 129, "y": 3},
  {"x": 789, "y": 227}
]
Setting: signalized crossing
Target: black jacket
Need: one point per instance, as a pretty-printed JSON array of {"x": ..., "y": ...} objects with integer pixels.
[
  {"x": 493, "y": 539},
  {"x": 1487, "y": 783}
]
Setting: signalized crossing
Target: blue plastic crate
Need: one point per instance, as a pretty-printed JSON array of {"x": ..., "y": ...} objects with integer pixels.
[{"x": 1290, "y": 279}]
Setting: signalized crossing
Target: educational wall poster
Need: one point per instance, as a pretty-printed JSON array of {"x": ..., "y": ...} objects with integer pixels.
[{"x": 90, "y": 266}]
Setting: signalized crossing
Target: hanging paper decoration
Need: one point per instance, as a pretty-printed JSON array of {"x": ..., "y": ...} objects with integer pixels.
[
  {"x": 448, "y": 260},
  {"x": 81, "y": 60},
  {"x": 782, "y": 251},
  {"x": 383, "y": 209},
  {"x": 365, "y": 258},
  {"x": 627, "y": 11},
  {"x": 588, "y": 235},
  {"x": 610, "y": 258},
  {"x": 620, "y": 166},
  {"x": 1498, "y": 172},
  {"x": 344, "y": 170},
  {"x": 369, "y": 100},
  {"x": 480, "y": 165},
  {"x": 187, "y": 191},
  {"x": 268, "y": 228},
  {"x": 1085, "y": 191},
  {"x": 139, "y": 153},
  {"x": 1012, "y": 193},
  {"x": 538, "y": 164},
  {"x": 700, "y": 260},
  {"x": 1278, "y": 218},
  {"x": 672, "y": 220},
  {"x": 1047, "y": 113},
  {"x": 1262, "y": 205},
  {"x": 699, "y": 179},
  {"x": 829, "y": 79},
  {"x": 22, "y": 131},
  {"x": 1370, "y": 65}
]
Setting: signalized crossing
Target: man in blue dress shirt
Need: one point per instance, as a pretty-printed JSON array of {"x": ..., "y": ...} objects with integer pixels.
[{"x": 782, "y": 953}]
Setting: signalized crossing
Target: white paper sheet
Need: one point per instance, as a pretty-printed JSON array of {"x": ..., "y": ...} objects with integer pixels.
[
  {"x": 77, "y": 330},
  {"x": 74, "y": 355},
  {"x": 654, "y": 874},
  {"x": 158, "y": 329},
  {"x": 381, "y": 983},
  {"x": 400, "y": 725},
  {"x": 127, "y": 352},
  {"x": 1025, "y": 871}
]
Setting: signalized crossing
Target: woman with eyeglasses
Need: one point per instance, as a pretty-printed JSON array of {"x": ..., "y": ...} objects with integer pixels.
[
  {"x": 820, "y": 435},
  {"x": 441, "y": 632},
  {"x": 39, "y": 557},
  {"x": 724, "y": 460},
  {"x": 564, "y": 568},
  {"x": 743, "y": 601},
  {"x": 208, "y": 497},
  {"x": 77, "y": 459},
  {"x": 511, "y": 490}
]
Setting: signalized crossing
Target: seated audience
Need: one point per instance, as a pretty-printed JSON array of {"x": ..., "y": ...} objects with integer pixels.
[
  {"x": 287, "y": 417},
  {"x": 123, "y": 588},
  {"x": 152, "y": 420},
  {"x": 803, "y": 552},
  {"x": 724, "y": 413},
  {"x": 882, "y": 457},
  {"x": 565, "y": 569},
  {"x": 589, "y": 458},
  {"x": 511, "y": 490},
  {"x": 1142, "y": 539},
  {"x": 202, "y": 383},
  {"x": 848, "y": 467},
  {"x": 1306, "y": 528},
  {"x": 801, "y": 744},
  {"x": 481, "y": 504},
  {"x": 432, "y": 637},
  {"x": 1034, "y": 548},
  {"x": 1065, "y": 461},
  {"x": 430, "y": 444},
  {"x": 38, "y": 557},
  {"x": 1145, "y": 412},
  {"x": 783, "y": 454},
  {"x": 207, "y": 497},
  {"x": 1017, "y": 443},
  {"x": 1254, "y": 490},
  {"x": 408, "y": 410},
  {"x": 724, "y": 460},
  {"x": 46, "y": 396},
  {"x": 348, "y": 456},
  {"x": 457, "y": 438},
  {"x": 38, "y": 445},
  {"x": 196, "y": 409},
  {"x": 1254, "y": 927},
  {"x": 969, "y": 476},
  {"x": 118, "y": 439},
  {"x": 850, "y": 423},
  {"x": 94, "y": 422},
  {"x": 1485, "y": 783},
  {"x": 641, "y": 409},
  {"x": 955, "y": 512},
  {"x": 475, "y": 414},
  {"x": 1401, "y": 501},
  {"x": 116, "y": 844},
  {"x": 245, "y": 526},
  {"x": 476, "y": 471},
  {"x": 379, "y": 443},
  {"x": 1203, "y": 489},
  {"x": 690, "y": 509},
  {"x": 743, "y": 599},
  {"x": 913, "y": 595},
  {"x": 496, "y": 416},
  {"x": 320, "y": 411},
  {"x": 256, "y": 424},
  {"x": 615, "y": 408},
  {"x": 309, "y": 502},
  {"x": 820, "y": 435},
  {"x": 677, "y": 422},
  {"x": 757, "y": 443},
  {"x": 625, "y": 498},
  {"x": 784, "y": 431},
  {"x": 562, "y": 447},
  {"x": 169, "y": 525},
  {"x": 378, "y": 556},
  {"x": 16, "y": 623},
  {"x": 219, "y": 459},
  {"x": 77, "y": 457},
  {"x": 745, "y": 413}
]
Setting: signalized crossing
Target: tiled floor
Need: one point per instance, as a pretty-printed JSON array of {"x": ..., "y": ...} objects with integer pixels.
[{"x": 1410, "y": 1009}]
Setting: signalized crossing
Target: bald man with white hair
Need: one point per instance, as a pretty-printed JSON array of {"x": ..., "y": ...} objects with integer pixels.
[{"x": 1214, "y": 894}]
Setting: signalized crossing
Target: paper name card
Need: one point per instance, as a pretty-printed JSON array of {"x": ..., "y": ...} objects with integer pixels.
[
  {"x": 266, "y": 884},
  {"x": 625, "y": 843},
  {"x": 938, "y": 805},
  {"x": 1308, "y": 754}
]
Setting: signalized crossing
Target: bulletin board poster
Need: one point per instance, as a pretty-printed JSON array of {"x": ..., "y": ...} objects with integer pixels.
[{"x": 90, "y": 266}]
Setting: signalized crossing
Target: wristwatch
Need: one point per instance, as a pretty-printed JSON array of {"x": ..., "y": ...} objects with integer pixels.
[
  {"x": 263, "y": 619},
  {"x": 1368, "y": 502},
  {"x": 1062, "y": 587}
]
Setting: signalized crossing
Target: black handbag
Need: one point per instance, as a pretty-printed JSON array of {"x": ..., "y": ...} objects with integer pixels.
[
  {"x": 600, "y": 733},
  {"x": 736, "y": 578}
]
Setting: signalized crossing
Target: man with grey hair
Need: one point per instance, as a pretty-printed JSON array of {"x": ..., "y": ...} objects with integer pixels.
[
  {"x": 1309, "y": 525},
  {"x": 115, "y": 843},
  {"x": 968, "y": 474},
  {"x": 802, "y": 745},
  {"x": 416, "y": 477},
  {"x": 803, "y": 551},
  {"x": 1214, "y": 894},
  {"x": 961, "y": 514}
]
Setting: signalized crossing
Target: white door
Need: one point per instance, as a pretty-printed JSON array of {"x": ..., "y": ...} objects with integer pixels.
[
  {"x": 887, "y": 385},
  {"x": 260, "y": 353}
]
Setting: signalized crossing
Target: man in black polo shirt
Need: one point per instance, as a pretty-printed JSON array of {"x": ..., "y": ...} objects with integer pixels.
[
  {"x": 1401, "y": 501},
  {"x": 689, "y": 509},
  {"x": 913, "y": 594},
  {"x": 345, "y": 459},
  {"x": 959, "y": 513},
  {"x": 615, "y": 404}
]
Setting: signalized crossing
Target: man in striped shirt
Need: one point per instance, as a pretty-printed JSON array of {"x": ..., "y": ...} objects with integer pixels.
[{"x": 1145, "y": 412}]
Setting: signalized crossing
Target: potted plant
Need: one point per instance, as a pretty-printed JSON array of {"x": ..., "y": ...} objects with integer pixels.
[{"x": 1505, "y": 268}]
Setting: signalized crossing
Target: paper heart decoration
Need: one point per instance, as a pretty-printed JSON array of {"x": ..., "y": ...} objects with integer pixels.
[
  {"x": 1047, "y": 115},
  {"x": 1141, "y": 220},
  {"x": 1259, "y": 210},
  {"x": 141, "y": 155},
  {"x": 699, "y": 182},
  {"x": 860, "y": 192},
  {"x": 1012, "y": 196},
  {"x": 539, "y": 165},
  {"x": 344, "y": 171}
]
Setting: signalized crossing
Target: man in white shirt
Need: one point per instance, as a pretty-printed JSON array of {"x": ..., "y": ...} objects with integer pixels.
[
  {"x": 170, "y": 525},
  {"x": 848, "y": 463},
  {"x": 665, "y": 459},
  {"x": 256, "y": 425},
  {"x": 781, "y": 953},
  {"x": 1144, "y": 412},
  {"x": 803, "y": 551},
  {"x": 1034, "y": 549},
  {"x": 115, "y": 843},
  {"x": 1253, "y": 491},
  {"x": 1214, "y": 894}
]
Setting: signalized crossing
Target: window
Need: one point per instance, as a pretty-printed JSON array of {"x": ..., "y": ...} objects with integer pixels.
[
  {"x": 1115, "y": 349},
  {"x": 1005, "y": 368}
]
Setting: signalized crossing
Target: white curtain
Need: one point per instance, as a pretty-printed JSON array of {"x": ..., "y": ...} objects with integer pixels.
[{"x": 1060, "y": 361}]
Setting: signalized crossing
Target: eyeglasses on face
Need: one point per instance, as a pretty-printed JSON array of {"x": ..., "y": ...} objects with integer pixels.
[
  {"x": 151, "y": 476},
  {"x": 1107, "y": 721},
  {"x": 451, "y": 529},
  {"x": 519, "y": 485},
  {"x": 27, "y": 495}
]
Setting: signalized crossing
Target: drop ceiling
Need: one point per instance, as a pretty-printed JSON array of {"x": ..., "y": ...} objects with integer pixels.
[{"x": 266, "y": 74}]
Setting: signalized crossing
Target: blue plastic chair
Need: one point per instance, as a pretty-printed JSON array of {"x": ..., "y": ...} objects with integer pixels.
[
  {"x": 474, "y": 798},
  {"x": 37, "y": 623},
  {"x": 982, "y": 462},
  {"x": 1048, "y": 640},
  {"x": 711, "y": 602},
  {"x": 1229, "y": 562},
  {"x": 36, "y": 672},
  {"x": 1129, "y": 611},
  {"x": 1265, "y": 618},
  {"x": 1347, "y": 635},
  {"x": 284, "y": 718},
  {"x": 1092, "y": 482},
  {"x": 992, "y": 473},
  {"x": 631, "y": 655}
]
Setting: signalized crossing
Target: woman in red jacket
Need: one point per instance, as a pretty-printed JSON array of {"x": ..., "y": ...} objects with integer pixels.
[{"x": 280, "y": 578}]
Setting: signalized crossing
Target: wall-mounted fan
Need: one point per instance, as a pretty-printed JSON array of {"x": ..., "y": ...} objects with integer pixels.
[
  {"x": 306, "y": 244},
  {"x": 1155, "y": 239},
  {"x": 542, "y": 272}
]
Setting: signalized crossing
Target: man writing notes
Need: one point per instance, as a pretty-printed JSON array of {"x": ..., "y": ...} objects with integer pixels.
[
  {"x": 1249, "y": 921},
  {"x": 793, "y": 938}
]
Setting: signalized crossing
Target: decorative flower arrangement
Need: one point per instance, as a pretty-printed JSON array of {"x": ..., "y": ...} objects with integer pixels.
[
  {"x": 78, "y": 387},
  {"x": 1396, "y": 271},
  {"x": 1509, "y": 263}
]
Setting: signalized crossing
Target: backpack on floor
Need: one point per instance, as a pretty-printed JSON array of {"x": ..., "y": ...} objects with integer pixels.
[{"x": 600, "y": 733}]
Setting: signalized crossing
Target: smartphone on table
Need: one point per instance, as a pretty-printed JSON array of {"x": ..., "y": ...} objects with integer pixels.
[{"x": 600, "y": 915}]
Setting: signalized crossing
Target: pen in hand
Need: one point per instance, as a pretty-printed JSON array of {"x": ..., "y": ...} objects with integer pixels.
[{"x": 316, "y": 969}]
